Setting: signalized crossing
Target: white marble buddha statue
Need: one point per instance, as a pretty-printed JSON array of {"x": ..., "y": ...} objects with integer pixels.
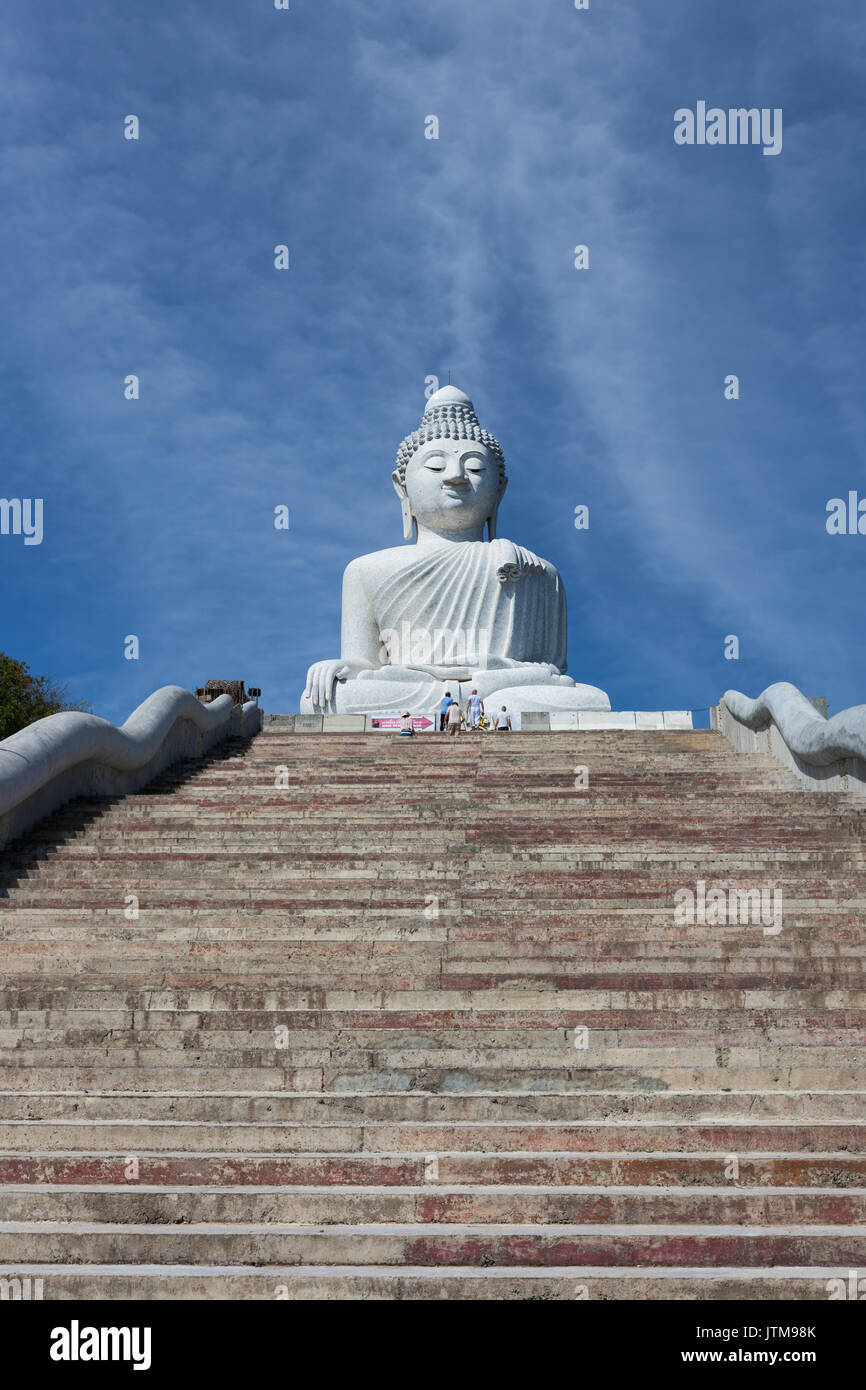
[{"x": 453, "y": 610}]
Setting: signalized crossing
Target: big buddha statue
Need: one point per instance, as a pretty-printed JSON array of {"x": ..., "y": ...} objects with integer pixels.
[{"x": 454, "y": 609}]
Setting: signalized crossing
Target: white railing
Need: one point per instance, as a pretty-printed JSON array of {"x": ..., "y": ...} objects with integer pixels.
[
  {"x": 74, "y": 754},
  {"x": 828, "y": 754}
]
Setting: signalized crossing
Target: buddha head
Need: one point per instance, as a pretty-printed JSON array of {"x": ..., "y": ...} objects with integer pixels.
[{"x": 450, "y": 473}]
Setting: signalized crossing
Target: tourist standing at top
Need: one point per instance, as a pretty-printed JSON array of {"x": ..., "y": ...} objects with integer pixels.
[{"x": 474, "y": 710}]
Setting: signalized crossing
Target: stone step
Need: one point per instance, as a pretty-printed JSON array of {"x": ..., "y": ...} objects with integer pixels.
[
  {"x": 651, "y": 887},
  {"x": 125, "y": 1282},
  {"x": 465, "y": 895},
  {"x": 520, "y": 1046},
  {"x": 825, "y": 1173},
  {"x": 46, "y": 970},
  {"x": 382, "y": 1244},
  {"x": 660, "y": 827},
  {"x": 500, "y": 820},
  {"x": 798, "y": 872},
  {"x": 351, "y": 1068},
  {"x": 621, "y": 1028},
  {"x": 455, "y": 1136},
  {"x": 583, "y": 822},
  {"x": 165, "y": 1072},
  {"x": 92, "y": 993},
  {"x": 326, "y": 1206},
  {"x": 255, "y": 977},
  {"x": 201, "y": 972},
  {"x": 257, "y": 1107},
  {"x": 750, "y": 953},
  {"x": 652, "y": 931}
]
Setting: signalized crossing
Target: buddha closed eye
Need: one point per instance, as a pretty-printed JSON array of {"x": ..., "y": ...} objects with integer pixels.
[{"x": 437, "y": 463}]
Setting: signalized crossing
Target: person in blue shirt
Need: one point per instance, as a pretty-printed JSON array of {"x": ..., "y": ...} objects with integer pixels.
[{"x": 444, "y": 705}]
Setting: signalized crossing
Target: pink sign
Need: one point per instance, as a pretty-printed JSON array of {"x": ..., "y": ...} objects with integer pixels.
[{"x": 422, "y": 722}]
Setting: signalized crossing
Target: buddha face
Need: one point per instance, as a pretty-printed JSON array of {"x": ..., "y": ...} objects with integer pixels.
[{"x": 452, "y": 485}]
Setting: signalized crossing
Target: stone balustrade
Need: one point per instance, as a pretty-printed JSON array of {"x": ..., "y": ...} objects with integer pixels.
[
  {"x": 828, "y": 754},
  {"x": 74, "y": 754}
]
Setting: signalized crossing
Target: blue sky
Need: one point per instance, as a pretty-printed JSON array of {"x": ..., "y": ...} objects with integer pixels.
[{"x": 409, "y": 257}]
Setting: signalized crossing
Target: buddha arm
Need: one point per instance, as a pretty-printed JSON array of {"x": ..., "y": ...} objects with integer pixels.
[
  {"x": 359, "y": 644},
  {"x": 359, "y": 636}
]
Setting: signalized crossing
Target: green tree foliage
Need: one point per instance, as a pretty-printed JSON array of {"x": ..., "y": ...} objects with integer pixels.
[{"x": 25, "y": 697}]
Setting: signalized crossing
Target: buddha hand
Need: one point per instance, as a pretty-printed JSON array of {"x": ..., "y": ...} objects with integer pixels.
[{"x": 322, "y": 676}]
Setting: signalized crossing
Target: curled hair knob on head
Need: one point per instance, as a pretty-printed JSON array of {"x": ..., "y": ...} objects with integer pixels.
[{"x": 450, "y": 414}]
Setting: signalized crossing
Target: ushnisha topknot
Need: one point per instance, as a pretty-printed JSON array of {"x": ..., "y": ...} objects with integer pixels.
[{"x": 450, "y": 414}]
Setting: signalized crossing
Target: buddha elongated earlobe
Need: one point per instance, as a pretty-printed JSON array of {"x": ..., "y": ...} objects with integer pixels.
[
  {"x": 397, "y": 478},
  {"x": 491, "y": 520}
]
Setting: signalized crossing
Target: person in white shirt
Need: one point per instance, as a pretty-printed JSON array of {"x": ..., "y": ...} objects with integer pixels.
[
  {"x": 474, "y": 710},
  {"x": 503, "y": 721}
]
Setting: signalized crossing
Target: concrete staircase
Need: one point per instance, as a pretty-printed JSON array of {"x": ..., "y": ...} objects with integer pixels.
[{"x": 324, "y": 1039}]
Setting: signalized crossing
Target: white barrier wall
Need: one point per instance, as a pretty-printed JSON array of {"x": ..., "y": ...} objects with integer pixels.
[
  {"x": 534, "y": 721},
  {"x": 68, "y": 755}
]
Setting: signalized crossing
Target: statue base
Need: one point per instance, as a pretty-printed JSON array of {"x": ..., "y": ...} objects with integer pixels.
[{"x": 424, "y": 697}]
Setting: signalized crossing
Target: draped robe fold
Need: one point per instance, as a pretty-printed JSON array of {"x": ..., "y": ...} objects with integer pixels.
[
  {"x": 472, "y": 605},
  {"x": 454, "y": 614}
]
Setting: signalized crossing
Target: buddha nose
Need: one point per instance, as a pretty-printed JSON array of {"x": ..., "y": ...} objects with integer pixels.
[{"x": 454, "y": 471}]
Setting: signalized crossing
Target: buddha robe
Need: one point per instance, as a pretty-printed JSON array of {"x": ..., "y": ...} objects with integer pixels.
[
  {"x": 486, "y": 612},
  {"x": 461, "y": 608}
]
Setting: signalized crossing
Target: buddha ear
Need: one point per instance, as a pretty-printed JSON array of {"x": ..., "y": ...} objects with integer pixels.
[
  {"x": 408, "y": 518},
  {"x": 491, "y": 520}
]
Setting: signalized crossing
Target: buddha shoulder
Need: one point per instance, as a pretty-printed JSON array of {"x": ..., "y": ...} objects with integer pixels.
[
  {"x": 378, "y": 565},
  {"x": 517, "y": 561}
]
